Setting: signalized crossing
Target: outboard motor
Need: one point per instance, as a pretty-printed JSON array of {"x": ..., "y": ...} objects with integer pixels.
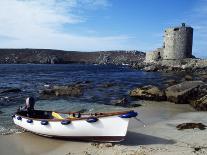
[{"x": 30, "y": 102}]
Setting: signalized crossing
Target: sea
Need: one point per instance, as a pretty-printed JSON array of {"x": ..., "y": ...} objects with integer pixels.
[{"x": 31, "y": 79}]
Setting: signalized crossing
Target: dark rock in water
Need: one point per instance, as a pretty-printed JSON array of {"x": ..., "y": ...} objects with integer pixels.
[
  {"x": 170, "y": 82},
  {"x": 151, "y": 69},
  {"x": 188, "y": 78},
  {"x": 83, "y": 82},
  {"x": 87, "y": 81},
  {"x": 1, "y": 112},
  {"x": 72, "y": 90},
  {"x": 184, "y": 92},
  {"x": 48, "y": 92},
  {"x": 108, "y": 85},
  {"x": 191, "y": 126},
  {"x": 203, "y": 77},
  {"x": 148, "y": 93},
  {"x": 10, "y": 90},
  {"x": 122, "y": 102}
]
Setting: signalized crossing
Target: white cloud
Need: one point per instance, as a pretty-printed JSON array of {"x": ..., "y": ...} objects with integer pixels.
[{"x": 39, "y": 24}]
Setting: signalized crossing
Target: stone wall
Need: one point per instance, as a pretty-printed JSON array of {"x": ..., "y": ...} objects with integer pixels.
[{"x": 154, "y": 56}]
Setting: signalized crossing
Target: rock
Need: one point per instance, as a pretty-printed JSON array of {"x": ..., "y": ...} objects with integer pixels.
[
  {"x": 148, "y": 93},
  {"x": 106, "y": 145},
  {"x": 72, "y": 90},
  {"x": 108, "y": 85},
  {"x": 86, "y": 153},
  {"x": 138, "y": 65},
  {"x": 1, "y": 112},
  {"x": 188, "y": 78},
  {"x": 203, "y": 77},
  {"x": 134, "y": 105},
  {"x": 102, "y": 145},
  {"x": 170, "y": 82},
  {"x": 122, "y": 102},
  {"x": 87, "y": 81},
  {"x": 83, "y": 82},
  {"x": 48, "y": 92},
  {"x": 200, "y": 104},
  {"x": 191, "y": 126},
  {"x": 10, "y": 90},
  {"x": 150, "y": 69},
  {"x": 184, "y": 92},
  {"x": 197, "y": 149}
]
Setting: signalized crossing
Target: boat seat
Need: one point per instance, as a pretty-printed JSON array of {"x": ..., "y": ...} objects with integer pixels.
[
  {"x": 56, "y": 115},
  {"x": 65, "y": 116}
]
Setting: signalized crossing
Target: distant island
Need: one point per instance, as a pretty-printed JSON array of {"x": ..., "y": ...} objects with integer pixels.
[{"x": 50, "y": 56}]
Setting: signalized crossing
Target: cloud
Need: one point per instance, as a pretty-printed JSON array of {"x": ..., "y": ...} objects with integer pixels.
[{"x": 40, "y": 24}]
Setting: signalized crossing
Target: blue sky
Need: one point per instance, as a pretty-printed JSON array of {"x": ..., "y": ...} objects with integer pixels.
[{"x": 90, "y": 25}]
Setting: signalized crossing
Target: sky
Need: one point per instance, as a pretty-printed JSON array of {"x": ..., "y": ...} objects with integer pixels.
[{"x": 93, "y": 25}]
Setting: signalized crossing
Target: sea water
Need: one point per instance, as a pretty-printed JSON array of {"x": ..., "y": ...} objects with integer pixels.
[{"x": 31, "y": 79}]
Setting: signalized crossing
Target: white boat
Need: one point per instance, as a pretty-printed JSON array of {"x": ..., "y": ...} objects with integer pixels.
[{"x": 110, "y": 127}]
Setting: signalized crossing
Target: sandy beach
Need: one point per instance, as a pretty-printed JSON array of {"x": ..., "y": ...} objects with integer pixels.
[{"x": 160, "y": 136}]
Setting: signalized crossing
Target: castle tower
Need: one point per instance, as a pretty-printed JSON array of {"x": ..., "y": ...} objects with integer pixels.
[{"x": 178, "y": 42}]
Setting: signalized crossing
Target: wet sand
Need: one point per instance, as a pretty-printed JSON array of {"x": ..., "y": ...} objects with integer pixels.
[{"x": 160, "y": 136}]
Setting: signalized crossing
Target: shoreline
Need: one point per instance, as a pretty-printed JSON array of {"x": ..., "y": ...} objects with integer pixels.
[{"x": 160, "y": 136}]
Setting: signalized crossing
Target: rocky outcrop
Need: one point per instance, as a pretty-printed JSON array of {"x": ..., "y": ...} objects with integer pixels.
[
  {"x": 184, "y": 92},
  {"x": 190, "y": 65},
  {"x": 170, "y": 82},
  {"x": 188, "y": 78},
  {"x": 200, "y": 104},
  {"x": 148, "y": 93},
  {"x": 71, "y": 90},
  {"x": 151, "y": 68}
]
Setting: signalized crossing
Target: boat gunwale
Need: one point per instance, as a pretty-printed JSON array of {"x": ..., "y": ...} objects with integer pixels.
[{"x": 99, "y": 115}]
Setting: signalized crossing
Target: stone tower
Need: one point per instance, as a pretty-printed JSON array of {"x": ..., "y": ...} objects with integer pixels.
[{"x": 178, "y": 42}]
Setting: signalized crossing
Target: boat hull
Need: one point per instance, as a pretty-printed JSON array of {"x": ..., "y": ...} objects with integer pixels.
[{"x": 111, "y": 129}]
